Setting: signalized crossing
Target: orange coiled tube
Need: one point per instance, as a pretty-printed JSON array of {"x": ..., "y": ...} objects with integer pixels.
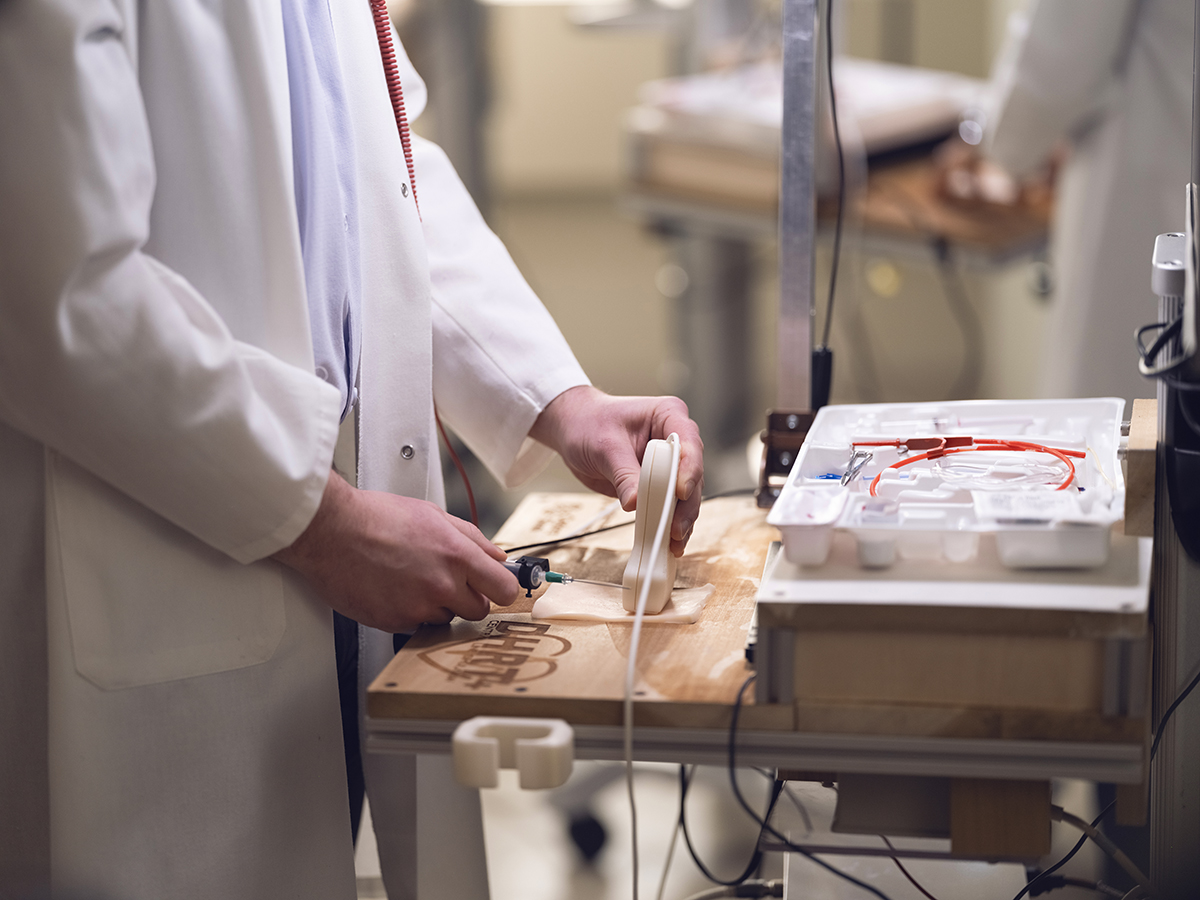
[{"x": 1020, "y": 446}]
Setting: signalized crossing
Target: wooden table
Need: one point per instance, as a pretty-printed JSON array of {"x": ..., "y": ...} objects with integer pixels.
[
  {"x": 689, "y": 675},
  {"x": 829, "y": 717}
]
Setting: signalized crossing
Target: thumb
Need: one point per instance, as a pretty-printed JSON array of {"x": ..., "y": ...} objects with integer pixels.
[
  {"x": 625, "y": 483},
  {"x": 626, "y": 471}
]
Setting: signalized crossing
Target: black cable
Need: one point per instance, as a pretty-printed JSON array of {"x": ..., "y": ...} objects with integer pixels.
[
  {"x": 755, "y": 858},
  {"x": 967, "y": 317},
  {"x": 1187, "y": 413},
  {"x": 800, "y": 808},
  {"x": 1186, "y": 386},
  {"x": 841, "y": 158},
  {"x": 1162, "y": 725},
  {"x": 567, "y": 539},
  {"x": 575, "y": 537},
  {"x": 734, "y": 492},
  {"x": 1167, "y": 332},
  {"x": 1034, "y": 882},
  {"x": 907, "y": 874},
  {"x": 1058, "y": 882},
  {"x": 795, "y": 848}
]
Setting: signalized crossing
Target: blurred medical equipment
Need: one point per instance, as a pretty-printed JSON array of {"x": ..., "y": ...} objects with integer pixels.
[{"x": 1103, "y": 91}]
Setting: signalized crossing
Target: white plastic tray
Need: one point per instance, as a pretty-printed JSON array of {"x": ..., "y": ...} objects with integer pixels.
[{"x": 938, "y": 508}]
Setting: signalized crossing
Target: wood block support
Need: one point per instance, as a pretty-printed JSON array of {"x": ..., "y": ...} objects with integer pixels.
[
  {"x": 1133, "y": 804},
  {"x": 1140, "y": 460},
  {"x": 999, "y": 819}
]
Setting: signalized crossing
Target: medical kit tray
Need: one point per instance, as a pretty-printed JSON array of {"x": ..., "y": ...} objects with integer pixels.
[{"x": 927, "y": 480}]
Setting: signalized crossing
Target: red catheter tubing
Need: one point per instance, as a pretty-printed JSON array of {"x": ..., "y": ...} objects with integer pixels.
[{"x": 980, "y": 446}]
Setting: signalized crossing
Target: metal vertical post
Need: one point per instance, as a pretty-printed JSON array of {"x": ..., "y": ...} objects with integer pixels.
[
  {"x": 797, "y": 204},
  {"x": 1174, "y": 775}
]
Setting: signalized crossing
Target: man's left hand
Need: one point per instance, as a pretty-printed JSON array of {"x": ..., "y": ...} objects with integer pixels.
[{"x": 602, "y": 438}]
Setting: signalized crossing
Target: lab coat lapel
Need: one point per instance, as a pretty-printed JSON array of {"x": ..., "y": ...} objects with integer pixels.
[{"x": 397, "y": 451}]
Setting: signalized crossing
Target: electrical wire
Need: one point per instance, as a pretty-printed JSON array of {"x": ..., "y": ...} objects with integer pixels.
[
  {"x": 755, "y": 857},
  {"x": 631, "y": 669},
  {"x": 568, "y": 538},
  {"x": 1186, "y": 386},
  {"x": 766, "y": 826},
  {"x": 841, "y": 158},
  {"x": 1168, "y": 331},
  {"x": 736, "y": 492},
  {"x": 662, "y": 881},
  {"x": 907, "y": 874},
  {"x": 1187, "y": 414},
  {"x": 770, "y": 776},
  {"x": 800, "y": 808},
  {"x": 747, "y": 889},
  {"x": 1102, "y": 841},
  {"x": 1041, "y": 876},
  {"x": 391, "y": 72},
  {"x": 1162, "y": 724}
]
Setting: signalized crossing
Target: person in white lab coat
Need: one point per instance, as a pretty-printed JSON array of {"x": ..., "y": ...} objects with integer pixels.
[
  {"x": 168, "y": 712},
  {"x": 1114, "y": 81}
]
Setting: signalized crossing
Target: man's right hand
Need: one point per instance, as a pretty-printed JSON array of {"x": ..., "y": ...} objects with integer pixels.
[{"x": 394, "y": 563}]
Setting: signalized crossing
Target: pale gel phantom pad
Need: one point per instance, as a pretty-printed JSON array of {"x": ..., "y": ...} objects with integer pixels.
[{"x": 599, "y": 603}]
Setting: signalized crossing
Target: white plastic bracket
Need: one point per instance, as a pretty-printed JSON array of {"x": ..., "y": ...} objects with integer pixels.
[{"x": 541, "y": 750}]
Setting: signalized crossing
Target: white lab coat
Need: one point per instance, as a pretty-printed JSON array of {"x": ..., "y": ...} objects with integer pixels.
[
  {"x": 168, "y": 721},
  {"x": 1114, "y": 79}
]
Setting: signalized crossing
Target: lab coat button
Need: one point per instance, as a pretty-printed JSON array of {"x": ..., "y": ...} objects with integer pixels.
[{"x": 407, "y": 451}]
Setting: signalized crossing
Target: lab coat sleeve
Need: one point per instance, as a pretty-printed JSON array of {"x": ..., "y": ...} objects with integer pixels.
[
  {"x": 498, "y": 357},
  {"x": 1058, "y": 62},
  {"x": 106, "y": 355}
]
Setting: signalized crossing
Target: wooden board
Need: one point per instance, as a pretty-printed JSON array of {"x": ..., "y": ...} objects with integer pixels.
[
  {"x": 509, "y": 664},
  {"x": 995, "y": 672},
  {"x": 948, "y": 721},
  {"x": 1004, "y": 819},
  {"x": 902, "y": 199},
  {"x": 690, "y": 674},
  {"x": 1140, "y": 461}
]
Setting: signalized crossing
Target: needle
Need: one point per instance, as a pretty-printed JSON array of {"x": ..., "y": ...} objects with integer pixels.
[{"x": 567, "y": 579}]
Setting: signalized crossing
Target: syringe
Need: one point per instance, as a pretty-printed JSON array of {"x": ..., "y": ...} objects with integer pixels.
[{"x": 532, "y": 571}]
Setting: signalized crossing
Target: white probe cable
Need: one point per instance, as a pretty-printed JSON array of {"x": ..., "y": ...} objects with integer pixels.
[
  {"x": 631, "y": 669},
  {"x": 1102, "y": 841}
]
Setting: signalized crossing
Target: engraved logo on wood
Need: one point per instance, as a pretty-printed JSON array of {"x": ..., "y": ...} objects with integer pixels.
[{"x": 504, "y": 653}]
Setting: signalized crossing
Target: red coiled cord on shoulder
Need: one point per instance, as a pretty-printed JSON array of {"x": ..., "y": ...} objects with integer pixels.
[
  {"x": 383, "y": 31},
  {"x": 391, "y": 71}
]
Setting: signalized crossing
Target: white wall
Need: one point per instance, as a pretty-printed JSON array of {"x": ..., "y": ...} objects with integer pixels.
[{"x": 560, "y": 93}]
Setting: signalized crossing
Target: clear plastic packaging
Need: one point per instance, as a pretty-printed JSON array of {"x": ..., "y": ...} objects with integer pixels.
[{"x": 925, "y": 480}]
